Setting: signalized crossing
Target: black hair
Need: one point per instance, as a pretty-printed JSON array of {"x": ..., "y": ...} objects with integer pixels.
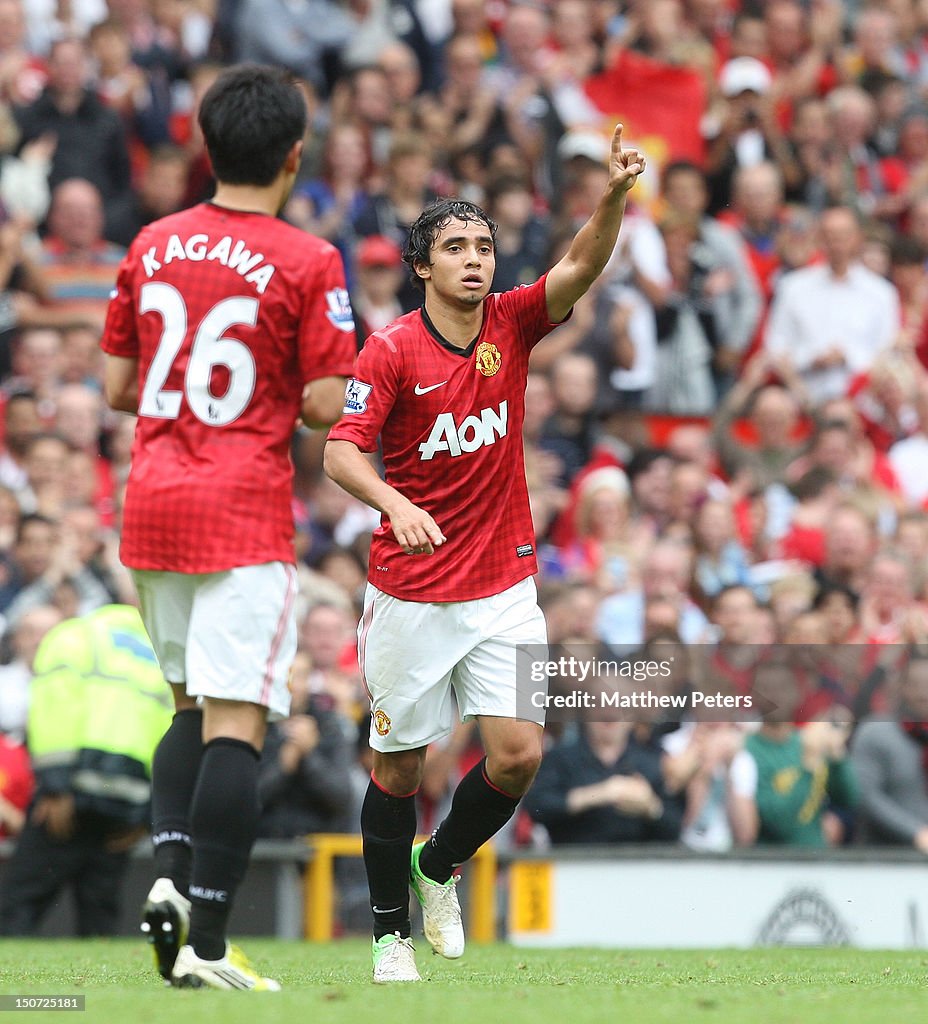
[
  {"x": 434, "y": 219},
  {"x": 250, "y": 117},
  {"x": 30, "y": 519},
  {"x": 644, "y": 459},
  {"x": 681, "y": 167},
  {"x": 829, "y": 590},
  {"x": 812, "y": 483}
]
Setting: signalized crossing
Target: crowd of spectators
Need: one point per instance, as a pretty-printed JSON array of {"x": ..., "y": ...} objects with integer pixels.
[{"x": 726, "y": 445}]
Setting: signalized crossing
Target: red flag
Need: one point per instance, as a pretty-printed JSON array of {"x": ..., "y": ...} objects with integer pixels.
[{"x": 661, "y": 105}]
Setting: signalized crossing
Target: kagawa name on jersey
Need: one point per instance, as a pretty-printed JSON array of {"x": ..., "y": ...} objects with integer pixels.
[{"x": 229, "y": 252}]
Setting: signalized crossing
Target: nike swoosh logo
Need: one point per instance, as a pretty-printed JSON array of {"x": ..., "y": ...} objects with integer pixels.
[
  {"x": 420, "y": 390},
  {"x": 391, "y": 910}
]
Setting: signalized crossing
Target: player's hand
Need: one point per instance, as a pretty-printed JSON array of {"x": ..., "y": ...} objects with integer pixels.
[
  {"x": 624, "y": 164},
  {"x": 415, "y": 530}
]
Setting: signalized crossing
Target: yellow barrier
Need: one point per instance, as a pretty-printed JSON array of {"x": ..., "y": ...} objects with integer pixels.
[{"x": 320, "y": 887}]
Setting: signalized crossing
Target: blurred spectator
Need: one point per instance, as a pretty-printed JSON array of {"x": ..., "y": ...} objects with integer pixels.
[
  {"x": 889, "y": 758},
  {"x": 406, "y": 192},
  {"x": 81, "y": 360},
  {"x": 379, "y": 277},
  {"x": 665, "y": 573},
  {"x": 464, "y": 103},
  {"x": 608, "y": 544},
  {"x": 782, "y": 777},
  {"x": 774, "y": 415},
  {"x": 141, "y": 99},
  {"x": 304, "y": 781},
  {"x": 521, "y": 236},
  {"x": 889, "y": 612},
  {"x": 31, "y": 557},
  {"x": 91, "y": 744},
  {"x": 303, "y": 37},
  {"x": 16, "y": 675},
  {"x": 327, "y": 206},
  {"x": 21, "y": 424},
  {"x": 46, "y": 462},
  {"x": 91, "y": 143},
  {"x": 22, "y": 73},
  {"x": 907, "y": 456},
  {"x": 713, "y": 746},
  {"x": 327, "y": 636},
  {"x": 649, "y": 473},
  {"x": 37, "y": 368},
  {"x": 721, "y": 561},
  {"x": 875, "y": 186},
  {"x": 833, "y": 320},
  {"x": 605, "y": 786},
  {"x": 79, "y": 264},
  {"x": 850, "y": 543},
  {"x": 747, "y": 132},
  {"x": 161, "y": 190},
  {"x": 517, "y": 77},
  {"x": 710, "y": 271},
  {"x": 71, "y": 568},
  {"x": 816, "y": 494},
  {"x": 570, "y": 431}
]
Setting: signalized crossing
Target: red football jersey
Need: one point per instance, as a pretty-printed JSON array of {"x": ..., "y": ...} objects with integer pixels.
[
  {"x": 229, "y": 314},
  {"x": 451, "y": 426}
]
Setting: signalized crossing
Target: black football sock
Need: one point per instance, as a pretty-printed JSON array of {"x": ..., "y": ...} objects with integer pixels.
[
  {"x": 478, "y": 811},
  {"x": 388, "y": 828},
  {"x": 174, "y": 772},
  {"x": 223, "y": 825}
]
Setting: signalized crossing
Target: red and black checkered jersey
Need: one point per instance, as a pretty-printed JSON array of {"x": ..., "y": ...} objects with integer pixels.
[
  {"x": 450, "y": 420},
  {"x": 229, "y": 314}
]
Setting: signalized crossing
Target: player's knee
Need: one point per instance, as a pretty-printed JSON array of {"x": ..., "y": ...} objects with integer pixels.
[
  {"x": 398, "y": 773},
  {"x": 515, "y": 769}
]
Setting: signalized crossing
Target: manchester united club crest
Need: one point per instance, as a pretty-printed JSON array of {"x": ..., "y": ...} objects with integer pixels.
[
  {"x": 382, "y": 722},
  {"x": 488, "y": 359}
]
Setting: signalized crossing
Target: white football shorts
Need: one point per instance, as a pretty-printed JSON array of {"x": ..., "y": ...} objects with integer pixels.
[
  {"x": 414, "y": 654},
  {"x": 229, "y": 635}
]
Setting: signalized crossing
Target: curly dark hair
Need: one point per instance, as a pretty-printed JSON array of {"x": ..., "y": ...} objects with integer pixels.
[{"x": 434, "y": 219}]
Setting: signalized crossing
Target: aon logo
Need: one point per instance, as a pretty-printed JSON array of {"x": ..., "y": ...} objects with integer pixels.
[{"x": 473, "y": 433}]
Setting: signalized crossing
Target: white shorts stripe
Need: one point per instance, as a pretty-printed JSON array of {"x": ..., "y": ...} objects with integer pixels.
[
  {"x": 363, "y": 629},
  {"x": 279, "y": 635}
]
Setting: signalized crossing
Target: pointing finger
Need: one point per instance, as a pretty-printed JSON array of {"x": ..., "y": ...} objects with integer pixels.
[{"x": 617, "y": 139}]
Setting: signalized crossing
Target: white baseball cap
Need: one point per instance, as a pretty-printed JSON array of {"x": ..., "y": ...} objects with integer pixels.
[{"x": 744, "y": 74}]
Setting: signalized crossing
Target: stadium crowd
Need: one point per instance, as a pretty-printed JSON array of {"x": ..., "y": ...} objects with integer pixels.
[{"x": 726, "y": 444}]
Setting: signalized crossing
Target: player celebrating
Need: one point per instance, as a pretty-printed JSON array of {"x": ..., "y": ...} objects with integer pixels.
[
  {"x": 444, "y": 388},
  {"x": 225, "y": 325}
]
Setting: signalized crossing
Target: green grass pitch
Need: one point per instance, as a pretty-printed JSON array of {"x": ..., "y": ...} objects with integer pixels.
[{"x": 493, "y": 984}]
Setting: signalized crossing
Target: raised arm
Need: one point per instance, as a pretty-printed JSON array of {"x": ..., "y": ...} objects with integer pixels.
[{"x": 594, "y": 242}]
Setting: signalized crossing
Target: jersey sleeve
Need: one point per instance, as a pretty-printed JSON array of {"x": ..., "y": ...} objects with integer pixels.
[
  {"x": 327, "y": 342},
  {"x": 526, "y": 309},
  {"x": 370, "y": 394},
  {"x": 120, "y": 337}
]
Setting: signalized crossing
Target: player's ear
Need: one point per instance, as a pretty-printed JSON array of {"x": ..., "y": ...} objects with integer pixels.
[
  {"x": 294, "y": 157},
  {"x": 422, "y": 270}
]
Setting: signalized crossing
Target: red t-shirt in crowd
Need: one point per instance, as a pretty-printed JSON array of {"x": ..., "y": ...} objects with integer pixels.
[
  {"x": 229, "y": 314},
  {"x": 16, "y": 779},
  {"x": 451, "y": 426}
]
